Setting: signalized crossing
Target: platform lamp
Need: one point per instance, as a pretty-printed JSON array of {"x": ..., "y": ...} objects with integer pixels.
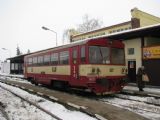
[{"x": 45, "y": 28}]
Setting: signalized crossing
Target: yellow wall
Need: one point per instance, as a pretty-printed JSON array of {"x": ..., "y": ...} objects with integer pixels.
[
  {"x": 104, "y": 31},
  {"x": 145, "y": 18},
  {"x": 63, "y": 70}
]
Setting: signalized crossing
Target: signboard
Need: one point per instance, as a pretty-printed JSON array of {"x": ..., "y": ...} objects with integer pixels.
[{"x": 151, "y": 52}]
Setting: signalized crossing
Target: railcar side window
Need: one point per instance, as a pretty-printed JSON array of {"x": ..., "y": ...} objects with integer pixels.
[
  {"x": 30, "y": 61},
  {"x": 34, "y": 60},
  {"x": 83, "y": 55},
  {"x": 40, "y": 60},
  {"x": 64, "y": 57},
  {"x": 99, "y": 55},
  {"x": 47, "y": 59},
  {"x": 105, "y": 51},
  {"x": 54, "y": 58},
  {"x": 94, "y": 54}
]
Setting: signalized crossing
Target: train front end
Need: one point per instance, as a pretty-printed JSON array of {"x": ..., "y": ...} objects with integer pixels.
[{"x": 106, "y": 70}]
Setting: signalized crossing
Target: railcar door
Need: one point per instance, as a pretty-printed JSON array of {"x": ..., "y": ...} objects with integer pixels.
[{"x": 74, "y": 65}]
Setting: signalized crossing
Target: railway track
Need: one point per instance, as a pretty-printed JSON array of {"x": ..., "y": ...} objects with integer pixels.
[
  {"x": 84, "y": 108},
  {"x": 29, "y": 102},
  {"x": 137, "y": 108},
  {"x": 147, "y": 109},
  {"x": 149, "y": 100},
  {"x": 68, "y": 105}
]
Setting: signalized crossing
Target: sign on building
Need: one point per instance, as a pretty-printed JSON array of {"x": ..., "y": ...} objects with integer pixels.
[{"x": 151, "y": 52}]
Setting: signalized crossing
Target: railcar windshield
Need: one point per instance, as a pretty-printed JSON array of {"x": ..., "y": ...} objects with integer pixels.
[
  {"x": 99, "y": 55},
  {"x": 106, "y": 55},
  {"x": 117, "y": 56}
]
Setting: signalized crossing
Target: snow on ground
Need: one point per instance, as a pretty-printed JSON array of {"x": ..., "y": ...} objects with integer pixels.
[
  {"x": 1, "y": 116},
  {"x": 151, "y": 100},
  {"x": 12, "y": 75},
  {"x": 14, "y": 79},
  {"x": 151, "y": 112},
  {"x": 19, "y": 110},
  {"x": 133, "y": 88}
]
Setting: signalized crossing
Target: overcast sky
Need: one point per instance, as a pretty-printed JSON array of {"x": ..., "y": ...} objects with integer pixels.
[{"x": 21, "y": 20}]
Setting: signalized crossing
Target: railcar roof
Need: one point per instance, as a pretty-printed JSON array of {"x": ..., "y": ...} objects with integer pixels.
[{"x": 80, "y": 42}]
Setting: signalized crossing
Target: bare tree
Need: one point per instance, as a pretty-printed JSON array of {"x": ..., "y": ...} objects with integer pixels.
[
  {"x": 67, "y": 34},
  {"x": 88, "y": 24}
]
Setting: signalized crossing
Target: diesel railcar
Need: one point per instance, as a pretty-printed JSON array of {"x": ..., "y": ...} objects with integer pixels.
[{"x": 96, "y": 65}]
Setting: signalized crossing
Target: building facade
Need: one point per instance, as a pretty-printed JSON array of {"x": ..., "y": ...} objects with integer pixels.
[
  {"x": 138, "y": 19},
  {"x": 142, "y": 48},
  {"x": 142, "y": 43}
]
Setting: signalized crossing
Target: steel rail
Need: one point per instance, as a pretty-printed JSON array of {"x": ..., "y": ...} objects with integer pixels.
[{"x": 32, "y": 103}]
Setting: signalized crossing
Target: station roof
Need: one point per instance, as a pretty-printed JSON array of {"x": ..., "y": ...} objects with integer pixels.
[
  {"x": 17, "y": 59},
  {"x": 151, "y": 30}
]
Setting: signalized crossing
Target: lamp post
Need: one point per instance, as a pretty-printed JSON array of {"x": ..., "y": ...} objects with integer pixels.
[{"x": 45, "y": 28}]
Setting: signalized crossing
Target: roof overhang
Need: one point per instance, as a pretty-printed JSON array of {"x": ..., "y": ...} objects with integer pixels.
[
  {"x": 149, "y": 31},
  {"x": 152, "y": 30}
]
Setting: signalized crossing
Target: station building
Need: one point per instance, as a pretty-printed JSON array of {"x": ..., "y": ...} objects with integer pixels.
[
  {"x": 138, "y": 19},
  {"x": 17, "y": 64},
  {"x": 141, "y": 36}
]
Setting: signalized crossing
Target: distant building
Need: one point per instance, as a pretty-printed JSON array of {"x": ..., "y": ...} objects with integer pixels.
[
  {"x": 138, "y": 19},
  {"x": 5, "y": 67}
]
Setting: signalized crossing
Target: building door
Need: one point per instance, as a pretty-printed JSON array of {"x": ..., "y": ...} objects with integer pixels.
[
  {"x": 132, "y": 71},
  {"x": 152, "y": 69},
  {"x": 74, "y": 64}
]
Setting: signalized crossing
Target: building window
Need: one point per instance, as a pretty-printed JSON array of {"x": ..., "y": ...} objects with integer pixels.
[
  {"x": 47, "y": 59},
  {"x": 64, "y": 57},
  {"x": 129, "y": 28},
  {"x": 118, "y": 30},
  {"x": 16, "y": 66},
  {"x": 130, "y": 51},
  {"x": 54, "y": 58},
  {"x": 122, "y": 29},
  {"x": 12, "y": 66}
]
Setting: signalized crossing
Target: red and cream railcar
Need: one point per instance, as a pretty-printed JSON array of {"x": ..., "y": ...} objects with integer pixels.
[{"x": 97, "y": 65}]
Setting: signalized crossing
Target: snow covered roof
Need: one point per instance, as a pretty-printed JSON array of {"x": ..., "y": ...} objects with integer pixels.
[{"x": 151, "y": 29}]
